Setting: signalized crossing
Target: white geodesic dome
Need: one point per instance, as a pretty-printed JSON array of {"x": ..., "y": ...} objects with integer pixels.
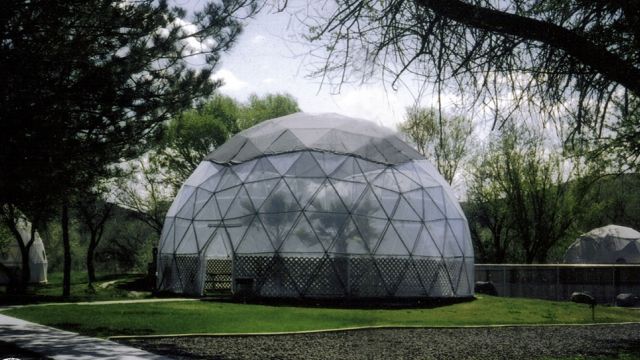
[
  {"x": 609, "y": 244},
  {"x": 316, "y": 206},
  {"x": 11, "y": 256}
]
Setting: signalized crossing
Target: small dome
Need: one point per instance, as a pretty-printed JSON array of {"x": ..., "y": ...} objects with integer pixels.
[{"x": 326, "y": 133}]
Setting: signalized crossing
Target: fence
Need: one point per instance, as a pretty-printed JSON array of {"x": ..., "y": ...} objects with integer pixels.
[{"x": 558, "y": 281}]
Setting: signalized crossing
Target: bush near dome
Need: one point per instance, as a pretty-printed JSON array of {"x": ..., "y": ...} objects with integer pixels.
[{"x": 317, "y": 206}]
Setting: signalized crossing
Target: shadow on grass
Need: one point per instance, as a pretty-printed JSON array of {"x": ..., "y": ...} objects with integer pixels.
[
  {"x": 41, "y": 293},
  {"x": 347, "y": 303}
]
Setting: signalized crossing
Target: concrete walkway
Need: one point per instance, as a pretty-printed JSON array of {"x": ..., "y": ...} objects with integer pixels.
[{"x": 65, "y": 345}]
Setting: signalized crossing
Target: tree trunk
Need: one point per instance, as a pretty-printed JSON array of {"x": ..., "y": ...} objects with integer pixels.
[
  {"x": 66, "y": 282},
  {"x": 25, "y": 272},
  {"x": 91, "y": 249}
]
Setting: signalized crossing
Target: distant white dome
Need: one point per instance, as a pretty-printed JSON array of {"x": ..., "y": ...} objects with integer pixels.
[
  {"x": 605, "y": 245},
  {"x": 11, "y": 256}
]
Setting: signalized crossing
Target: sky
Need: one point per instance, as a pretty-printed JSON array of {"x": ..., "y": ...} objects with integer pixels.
[{"x": 269, "y": 58}]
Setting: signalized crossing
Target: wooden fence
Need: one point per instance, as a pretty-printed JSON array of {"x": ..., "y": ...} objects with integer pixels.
[{"x": 558, "y": 281}]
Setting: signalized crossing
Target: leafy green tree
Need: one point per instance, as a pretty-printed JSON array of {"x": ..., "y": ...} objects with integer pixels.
[
  {"x": 192, "y": 135},
  {"x": 259, "y": 109},
  {"x": 442, "y": 139},
  {"x": 527, "y": 198},
  {"x": 577, "y": 62},
  {"x": 84, "y": 84}
]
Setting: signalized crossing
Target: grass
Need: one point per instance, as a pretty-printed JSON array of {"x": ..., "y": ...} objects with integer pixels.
[
  {"x": 107, "y": 287},
  {"x": 221, "y": 317}
]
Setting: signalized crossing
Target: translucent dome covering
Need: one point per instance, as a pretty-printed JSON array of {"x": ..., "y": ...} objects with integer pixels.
[
  {"x": 315, "y": 220},
  {"x": 326, "y": 133}
]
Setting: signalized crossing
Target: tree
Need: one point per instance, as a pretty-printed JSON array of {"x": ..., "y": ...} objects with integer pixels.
[
  {"x": 145, "y": 191},
  {"x": 268, "y": 107},
  {"x": 442, "y": 139},
  {"x": 85, "y": 84},
  {"x": 192, "y": 135},
  {"x": 92, "y": 213},
  {"x": 578, "y": 62},
  {"x": 195, "y": 133},
  {"x": 528, "y": 198}
]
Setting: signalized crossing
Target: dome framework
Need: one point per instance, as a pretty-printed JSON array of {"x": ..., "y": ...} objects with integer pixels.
[{"x": 369, "y": 218}]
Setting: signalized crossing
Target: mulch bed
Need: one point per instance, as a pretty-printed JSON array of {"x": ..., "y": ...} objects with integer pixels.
[{"x": 529, "y": 342}]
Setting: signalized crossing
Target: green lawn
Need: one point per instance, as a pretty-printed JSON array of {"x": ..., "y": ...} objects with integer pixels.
[
  {"x": 107, "y": 287},
  {"x": 217, "y": 317}
]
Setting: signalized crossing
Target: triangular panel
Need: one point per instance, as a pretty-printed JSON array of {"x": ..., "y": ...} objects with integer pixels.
[
  {"x": 405, "y": 183},
  {"x": 181, "y": 227},
  {"x": 416, "y": 200},
  {"x": 280, "y": 200},
  {"x": 285, "y": 142},
  {"x": 282, "y": 163},
  {"x": 186, "y": 211},
  {"x": 408, "y": 231},
  {"x": 348, "y": 191},
  {"x": 209, "y": 211},
  {"x": 303, "y": 188},
  {"x": 255, "y": 240},
  {"x": 326, "y": 226},
  {"x": 203, "y": 231},
  {"x": 388, "y": 199},
  {"x": 236, "y": 229},
  {"x": 405, "y": 212},
  {"x": 302, "y": 240},
  {"x": 436, "y": 194},
  {"x": 217, "y": 246},
  {"x": 349, "y": 241},
  {"x": 371, "y": 229},
  {"x": 391, "y": 244},
  {"x": 241, "y": 205},
  {"x": 369, "y": 205},
  {"x": 224, "y": 199},
  {"x": 327, "y": 200},
  {"x": 202, "y": 197},
  {"x": 328, "y": 161},
  {"x": 189, "y": 243},
  {"x": 205, "y": 170},
  {"x": 259, "y": 191},
  {"x": 425, "y": 246},
  {"x": 306, "y": 166},
  {"x": 278, "y": 225},
  {"x": 386, "y": 180},
  {"x": 263, "y": 170},
  {"x": 243, "y": 170},
  {"x": 347, "y": 169},
  {"x": 211, "y": 184},
  {"x": 450, "y": 246},
  {"x": 230, "y": 179}
]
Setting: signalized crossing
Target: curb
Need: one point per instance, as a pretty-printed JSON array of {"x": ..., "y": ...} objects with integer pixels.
[{"x": 358, "y": 328}]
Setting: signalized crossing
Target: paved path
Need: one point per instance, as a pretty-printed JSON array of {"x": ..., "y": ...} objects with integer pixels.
[{"x": 63, "y": 345}]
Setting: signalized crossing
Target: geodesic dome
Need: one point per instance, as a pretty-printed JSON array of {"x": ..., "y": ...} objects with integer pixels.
[
  {"x": 316, "y": 206},
  {"x": 609, "y": 244}
]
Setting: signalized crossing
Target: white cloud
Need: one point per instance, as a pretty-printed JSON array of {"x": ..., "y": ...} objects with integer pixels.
[
  {"x": 269, "y": 80},
  {"x": 258, "y": 39},
  {"x": 373, "y": 103},
  {"x": 231, "y": 82}
]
